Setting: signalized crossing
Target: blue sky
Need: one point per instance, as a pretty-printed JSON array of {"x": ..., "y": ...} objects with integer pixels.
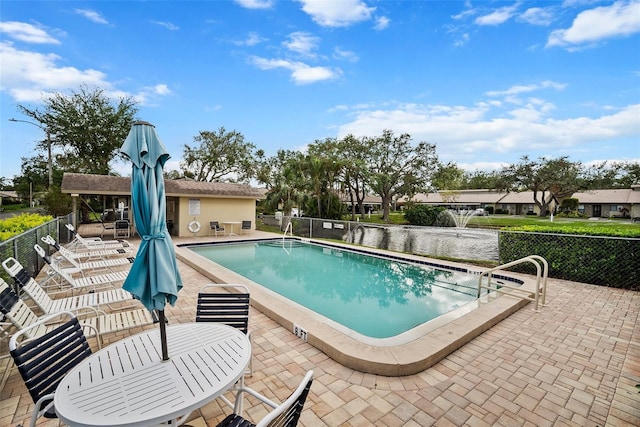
[{"x": 486, "y": 81}]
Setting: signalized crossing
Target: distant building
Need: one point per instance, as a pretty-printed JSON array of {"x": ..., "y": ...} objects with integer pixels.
[{"x": 615, "y": 203}]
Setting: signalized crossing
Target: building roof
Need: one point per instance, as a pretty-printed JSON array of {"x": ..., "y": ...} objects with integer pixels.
[
  {"x": 458, "y": 197},
  {"x": 7, "y": 193},
  {"x": 525, "y": 197},
  {"x": 79, "y": 183},
  {"x": 616, "y": 196}
]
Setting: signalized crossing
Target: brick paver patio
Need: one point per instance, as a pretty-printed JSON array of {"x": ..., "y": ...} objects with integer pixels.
[{"x": 574, "y": 363}]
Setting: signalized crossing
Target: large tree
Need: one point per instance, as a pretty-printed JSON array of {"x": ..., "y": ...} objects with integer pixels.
[
  {"x": 86, "y": 126},
  {"x": 606, "y": 175},
  {"x": 220, "y": 156},
  {"x": 478, "y": 180},
  {"x": 357, "y": 153},
  {"x": 399, "y": 168},
  {"x": 548, "y": 179},
  {"x": 33, "y": 182},
  {"x": 447, "y": 177}
]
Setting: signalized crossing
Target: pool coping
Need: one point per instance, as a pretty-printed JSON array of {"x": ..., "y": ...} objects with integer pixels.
[{"x": 388, "y": 360}]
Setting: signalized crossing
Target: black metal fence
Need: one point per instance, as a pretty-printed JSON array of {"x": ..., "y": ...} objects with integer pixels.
[
  {"x": 21, "y": 246},
  {"x": 599, "y": 260}
]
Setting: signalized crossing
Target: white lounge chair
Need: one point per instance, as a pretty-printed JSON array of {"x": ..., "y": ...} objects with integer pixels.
[
  {"x": 105, "y": 264},
  {"x": 82, "y": 254},
  {"x": 96, "y": 242},
  {"x": 16, "y": 313},
  {"x": 48, "y": 305},
  {"x": 61, "y": 275}
]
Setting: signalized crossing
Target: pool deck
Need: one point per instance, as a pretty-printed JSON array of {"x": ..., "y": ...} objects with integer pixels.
[{"x": 576, "y": 362}]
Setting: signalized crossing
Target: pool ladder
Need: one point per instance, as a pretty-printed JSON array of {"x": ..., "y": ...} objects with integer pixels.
[{"x": 542, "y": 272}]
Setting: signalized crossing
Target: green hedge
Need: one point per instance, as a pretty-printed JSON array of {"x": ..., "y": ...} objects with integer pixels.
[
  {"x": 607, "y": 261},
  {"x": 13, "y": 226}
]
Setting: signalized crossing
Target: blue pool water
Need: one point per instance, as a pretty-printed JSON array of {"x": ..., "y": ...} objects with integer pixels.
[{"x": 374, "y": 296}]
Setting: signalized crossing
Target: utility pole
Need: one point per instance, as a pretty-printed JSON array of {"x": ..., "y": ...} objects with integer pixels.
[{"x": 49, "y": 160}]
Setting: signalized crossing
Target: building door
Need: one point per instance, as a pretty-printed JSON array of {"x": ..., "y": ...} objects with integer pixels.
[{"x": 597, "y": 210}]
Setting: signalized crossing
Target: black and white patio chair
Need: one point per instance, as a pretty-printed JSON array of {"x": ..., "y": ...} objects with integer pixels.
[
  {"x": 44, "y": 360},
  {"x": 246, "y": 227},
  {"x": 285, "y": 414},
  {"x": 227, "y": 304},
  {"x": 224, "y": 303},
  {"x": 215, "y": 228}
]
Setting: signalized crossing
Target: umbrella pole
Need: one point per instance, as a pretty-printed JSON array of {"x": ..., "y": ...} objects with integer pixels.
[{"x": 163, "y": 335}]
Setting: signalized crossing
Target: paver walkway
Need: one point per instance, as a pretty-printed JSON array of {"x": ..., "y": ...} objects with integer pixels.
[{"x": 574, "y": 363}]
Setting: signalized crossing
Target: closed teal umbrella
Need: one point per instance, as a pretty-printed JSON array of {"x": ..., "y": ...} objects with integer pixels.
[{"x": 154, "y": 277}]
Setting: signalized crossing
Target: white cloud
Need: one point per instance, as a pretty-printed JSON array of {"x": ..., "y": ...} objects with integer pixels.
[
  {"x": 167, "y": 25},
  {"x": 537, "y": 16},
  {"x": 162, "y": 89},
  {"x": 474, "y": 133},
  {"x": 590, "y": 26},
  {"x": 382, "y": 22},
  {"x": 251, "y": 40},
  {"x": 301, "y": 73},
  {"x": 518, "y": 89},
  {"x": 497, "y": 17},
  {"x": 31, "y": 76},
  {"x": 302, "y": 43},
  {"x": 255, "y": 4},
  {"x": 348, "y": 55},
  {"x": 26, "y": 33},
  {"x": 147, "y": 95},
  {"x": 92, "y": 15},
  {"x": 337, "y": 13},
  {"x": 28, "y": 76},
  {"x": 461, "y": 40}
]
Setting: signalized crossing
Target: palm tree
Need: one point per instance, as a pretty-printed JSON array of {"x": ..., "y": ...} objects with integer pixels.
[{"x": 286, "y": 189}]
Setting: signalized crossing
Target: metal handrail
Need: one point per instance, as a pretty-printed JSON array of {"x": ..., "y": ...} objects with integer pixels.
[
  {"x": 290, "y": 228},
  {"x": 542, "y": 273}
]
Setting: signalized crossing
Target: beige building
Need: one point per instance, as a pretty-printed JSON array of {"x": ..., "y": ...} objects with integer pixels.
[
  {"x": 618, "y": 203},
  {"x": 622, "y": 203},
  {"x": 191, "y": 205}
]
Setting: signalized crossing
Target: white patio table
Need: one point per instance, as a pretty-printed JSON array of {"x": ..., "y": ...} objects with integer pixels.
[
  {"x": 128, "y": 384},
  {"x": 231, "y": 224}
]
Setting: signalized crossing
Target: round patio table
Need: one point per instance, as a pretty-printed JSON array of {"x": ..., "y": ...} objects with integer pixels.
[{"x": 128, "y": 384}]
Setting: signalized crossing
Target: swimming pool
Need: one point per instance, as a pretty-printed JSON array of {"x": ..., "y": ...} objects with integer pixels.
[
  {"x": 375, "y": 296},
  {"x": 407, "y": 353}
]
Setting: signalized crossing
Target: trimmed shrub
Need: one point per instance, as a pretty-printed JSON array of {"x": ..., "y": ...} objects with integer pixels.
[{"x": 423, "y": 215}]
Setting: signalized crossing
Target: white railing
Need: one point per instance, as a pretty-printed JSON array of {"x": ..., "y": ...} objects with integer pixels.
[
  {"x": 542, "y": 273},
  {"x": 289, "y": 227}
]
